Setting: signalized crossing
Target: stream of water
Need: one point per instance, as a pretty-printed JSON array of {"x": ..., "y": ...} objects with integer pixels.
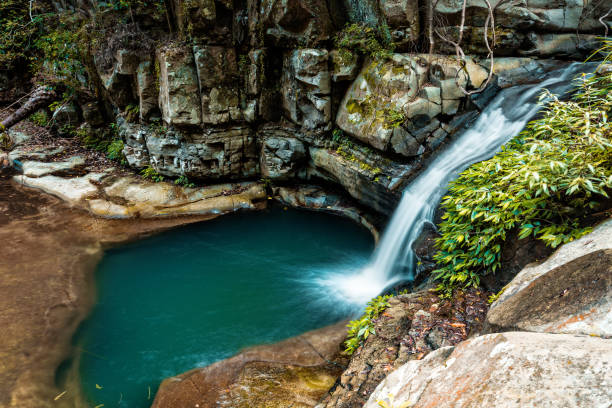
[
  {"x": 198, "y": 294},
  {"x": 502, "y": 119}
]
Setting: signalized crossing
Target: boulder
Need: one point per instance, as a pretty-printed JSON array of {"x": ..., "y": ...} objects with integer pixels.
[
  {"x": 571, "y": 292},
  {"x": 306, "y": 88},
  {"x": 293, "y": 373},
  {"x": 391, "y": 102},
  {"x": 504, "y": 370},
  {"x": 179, "y": 99},
  {"x": 281, "y": 155},
  {"x": 345, "y": 66},
  {"x": 411, "y": 327},
  {"x": 66, "y": 115}
]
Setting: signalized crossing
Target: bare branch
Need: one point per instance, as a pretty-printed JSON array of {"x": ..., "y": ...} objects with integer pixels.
[{"x": 603, "y": 23}]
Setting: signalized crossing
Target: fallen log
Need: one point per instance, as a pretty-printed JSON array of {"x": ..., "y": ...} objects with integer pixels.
[{"x": 41, "y": 97}]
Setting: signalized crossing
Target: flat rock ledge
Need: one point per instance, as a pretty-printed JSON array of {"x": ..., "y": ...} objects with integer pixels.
[
  {"x": 109, "y": 194},
  {"x": 505, "y": 370},
  {"x": 296, "y": 372}
]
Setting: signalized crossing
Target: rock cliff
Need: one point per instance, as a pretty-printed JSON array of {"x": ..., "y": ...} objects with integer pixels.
[{"x": 234, "y": 90}]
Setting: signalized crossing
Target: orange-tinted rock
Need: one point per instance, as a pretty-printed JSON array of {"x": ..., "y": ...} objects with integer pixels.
[
  {"x": 296, "y": 372},
  {"x": 505, "y": 370}
]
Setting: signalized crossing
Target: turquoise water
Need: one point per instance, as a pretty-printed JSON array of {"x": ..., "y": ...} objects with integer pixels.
[{"x": 198, "y": 294}]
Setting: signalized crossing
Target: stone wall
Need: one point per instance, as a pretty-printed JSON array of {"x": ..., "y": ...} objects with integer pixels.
[{"x": 256, "y": 88}]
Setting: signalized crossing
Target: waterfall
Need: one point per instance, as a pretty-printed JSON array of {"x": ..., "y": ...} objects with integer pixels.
[{"x": 502, "y": 120}]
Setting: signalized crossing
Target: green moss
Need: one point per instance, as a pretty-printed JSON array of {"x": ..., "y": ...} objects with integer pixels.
[{"x": 358, "y": 39}]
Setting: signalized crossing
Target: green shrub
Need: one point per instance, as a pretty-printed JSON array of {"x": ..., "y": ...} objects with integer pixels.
[
  {"x": 149, "y": 173},
  {"x": 360, "y": 329},
  {"x": 184, "y": 181},
  {"x": 114, "y": 151},
  {"x": 17, "y": 32},
  {"x": 542, "y": 184},
  {"x": 39, "y": 118}
]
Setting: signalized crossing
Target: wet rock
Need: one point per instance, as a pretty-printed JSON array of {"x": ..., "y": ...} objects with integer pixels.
[
  {"x": 513, "y": 369},
  {"x": 281, "y": 156},
  {"x": 369, "y": 178},
  {"x": 306, "y": 88},
  {"x": 413, "y": 326},
  {"x": 571, "y": 292},
  {"x": 295, "y": 372},
  {"x": 179, "y": 99},
  {"x": 317, "y": 198}
]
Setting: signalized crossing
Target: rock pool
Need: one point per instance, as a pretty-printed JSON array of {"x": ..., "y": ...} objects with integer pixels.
[{"x": 198, "y": 294}]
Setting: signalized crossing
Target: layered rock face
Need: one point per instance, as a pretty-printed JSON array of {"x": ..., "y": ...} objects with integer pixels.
[{"x": 260, "y": 90}]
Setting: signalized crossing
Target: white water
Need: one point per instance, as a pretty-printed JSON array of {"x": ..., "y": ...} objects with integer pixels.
[{"x": 502, "y": 120}]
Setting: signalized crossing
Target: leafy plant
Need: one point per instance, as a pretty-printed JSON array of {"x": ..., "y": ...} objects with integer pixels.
[
  {"x": 114, "y": 151},
  {"x": 149, "y": 173},
  {"x": 39, "y": 118},
  {"x": 360, "y": 329},
  {"x": 183, "y": 181},
  {"x": 542, "y": 184}
]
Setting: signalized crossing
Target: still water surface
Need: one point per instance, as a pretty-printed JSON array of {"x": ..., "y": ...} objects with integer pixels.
[{"x": 198, "y": 294}]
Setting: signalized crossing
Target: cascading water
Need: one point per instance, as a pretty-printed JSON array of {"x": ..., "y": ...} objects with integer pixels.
[{"x": 503, "y": 119}]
